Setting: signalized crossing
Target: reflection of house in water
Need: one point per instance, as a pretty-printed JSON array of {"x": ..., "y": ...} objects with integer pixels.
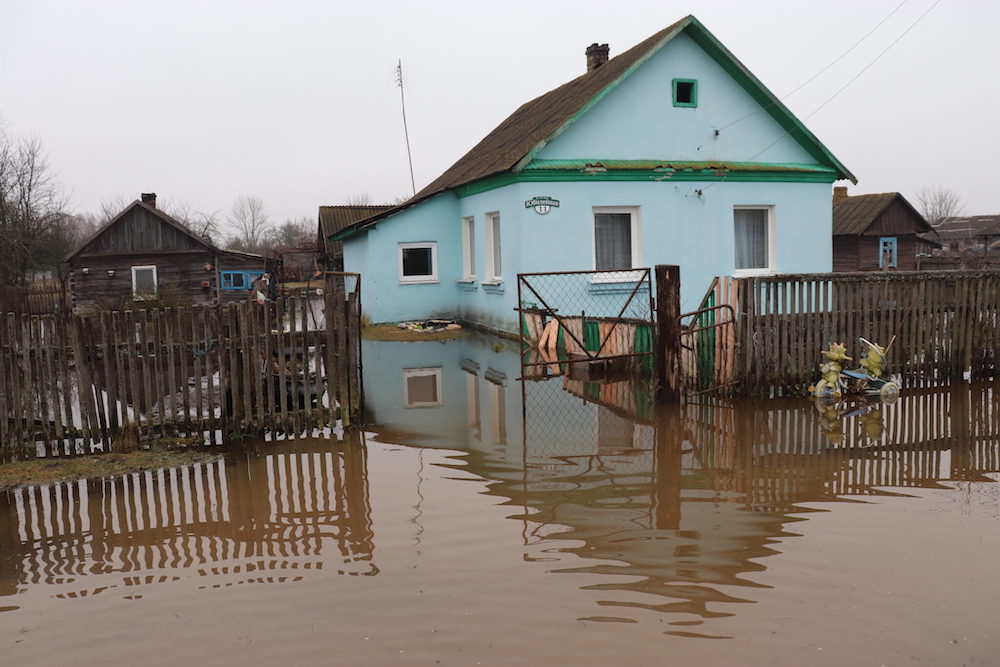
[
  {"x": 215, "y": 520},
  {"x": 685, "y": 502}
]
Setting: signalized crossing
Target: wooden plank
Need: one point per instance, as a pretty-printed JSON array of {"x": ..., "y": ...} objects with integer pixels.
[
  {"x": 123, "y": 386},
  {"x": 83, "y": 386},
  {"x": 109, "y": 354},
  {"x": 191, "y": 351},
  {"x": 132, "y": 336},
  {"x": 171, "y": 332},
  {"x": 259, "y": 358},
  {"x": 309, "y": 419},
  {"x": 230, "y": 364},
  {"x": 352, "y": 369},
  {"x": 7, "y": 412},
  {"x": 211, "y": 345},
  {"x": 330, "y": 350},
  {"x": 281, "y": 390},
  {"x": 245, "y": 357},
  {"x": 159, "y": 372},
  {"x": 89, "y": 340},
  {"x": 294, "y": 363}
]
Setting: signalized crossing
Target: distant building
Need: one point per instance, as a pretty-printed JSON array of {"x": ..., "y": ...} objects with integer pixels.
[
  {"x": 876, "y": 232},
  {"x": 664, "y": 154},
  {"x": 143, "y": 254},
  {"x": 332, "y": 219},
  {"x": 970, "y": 234}
]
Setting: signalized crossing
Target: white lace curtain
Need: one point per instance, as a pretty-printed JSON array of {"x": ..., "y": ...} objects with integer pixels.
[{"x": 751, "y": 238}]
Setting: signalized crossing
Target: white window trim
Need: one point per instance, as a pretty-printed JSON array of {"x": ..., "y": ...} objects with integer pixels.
[
  {"x": 415, "y": 280},
  {"x": 156, "y": 283},
  {"x": 491, "y": 275},
  {"x": 771, "y": 268},
  {"x": 422, "y": 372},
  {"x": 469, "y": 249},
  {"x": 620, "y": 276}
]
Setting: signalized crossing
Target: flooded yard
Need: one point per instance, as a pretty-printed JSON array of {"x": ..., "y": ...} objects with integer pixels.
[{"x": 482, "y": 520}]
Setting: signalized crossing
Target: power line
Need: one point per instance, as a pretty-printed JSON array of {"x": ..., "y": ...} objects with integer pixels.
[
  {"x": 817, "y": 74},
  {"x": 855, "y": 77}
]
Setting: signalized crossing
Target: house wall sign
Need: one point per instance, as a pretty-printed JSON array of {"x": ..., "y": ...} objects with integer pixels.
[{"x": 542, "y": 204}]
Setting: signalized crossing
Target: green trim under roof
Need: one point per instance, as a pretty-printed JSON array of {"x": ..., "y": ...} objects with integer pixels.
[{"x": 817, "y": 175}]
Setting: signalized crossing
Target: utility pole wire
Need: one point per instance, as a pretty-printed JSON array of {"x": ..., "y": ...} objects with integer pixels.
[
  {"x": 814, "y": 76},
  {"x": 856, "y": 76},
  {"x": 406, "y": 132}
]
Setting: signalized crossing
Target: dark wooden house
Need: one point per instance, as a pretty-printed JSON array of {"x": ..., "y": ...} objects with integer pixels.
[
  {"x": 332, "y": 219},
  {"x": 876, "y": 232},
  {"x": 145, "y": 255}
]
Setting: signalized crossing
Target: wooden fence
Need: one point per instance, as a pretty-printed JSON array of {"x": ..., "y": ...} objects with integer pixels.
[
  {"x": 38, "y": 298},
  {"x": 943, "y": 325},
  {"x": 70, "y": 383}
]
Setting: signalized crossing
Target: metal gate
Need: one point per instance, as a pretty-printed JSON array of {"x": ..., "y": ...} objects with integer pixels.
[{"x": 601, "y": 318}]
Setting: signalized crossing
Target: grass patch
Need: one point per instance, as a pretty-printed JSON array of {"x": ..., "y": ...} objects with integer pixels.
[
  {"x": 391, "y": 332},
  {"x": 51, "y": 471}
]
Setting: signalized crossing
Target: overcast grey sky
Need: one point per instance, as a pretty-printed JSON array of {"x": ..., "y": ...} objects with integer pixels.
[{"x": 295, "y": 101}]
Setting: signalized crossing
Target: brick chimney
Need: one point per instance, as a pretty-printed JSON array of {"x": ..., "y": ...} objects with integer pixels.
[
  {"x": 597, "y": 55},
  {"x": 149, "y": 198},
  {"x": 839, "y": 192}
]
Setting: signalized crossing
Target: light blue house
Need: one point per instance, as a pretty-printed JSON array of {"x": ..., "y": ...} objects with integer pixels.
[{"x": 670, "y": 153}]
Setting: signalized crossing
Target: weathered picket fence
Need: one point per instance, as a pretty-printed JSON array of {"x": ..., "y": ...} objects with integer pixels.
[
  {"x": 942, "y": 325},
  {"x": 70, "y": 384}
]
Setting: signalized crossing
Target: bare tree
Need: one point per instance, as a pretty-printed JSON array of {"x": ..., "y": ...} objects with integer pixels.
[
  {"x": 201, "y": 223},
  {"x": 111, "y": 207},
  {"x": 359, "y": 199},
  {"x": 938, "y": 203},
  {"x": 31, "y": 209},
  {"x": 293, "y": 234},
  {"x": 249, "y": 221}
]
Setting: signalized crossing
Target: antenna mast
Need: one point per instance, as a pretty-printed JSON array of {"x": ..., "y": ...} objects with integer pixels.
[{"x": 406, "y": 132}]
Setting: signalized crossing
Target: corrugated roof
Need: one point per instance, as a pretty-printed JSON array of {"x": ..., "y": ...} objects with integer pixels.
[
  {"x": 967, "y": 227},
  {"x": 855, "y": 214},
  {"x": 334, "y": 218}
]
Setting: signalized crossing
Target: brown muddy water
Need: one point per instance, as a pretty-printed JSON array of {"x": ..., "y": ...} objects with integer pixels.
[{"x": 482, "y": 522}]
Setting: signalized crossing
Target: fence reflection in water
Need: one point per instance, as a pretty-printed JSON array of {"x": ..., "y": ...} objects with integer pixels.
[{"x": 272, "y": 518}]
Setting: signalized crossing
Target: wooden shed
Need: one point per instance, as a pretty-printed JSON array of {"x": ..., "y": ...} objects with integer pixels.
[
  {"x": 144, "y": 255},
  {"x": 332, "y": 219},
  {"x": 876, "y": 232}
]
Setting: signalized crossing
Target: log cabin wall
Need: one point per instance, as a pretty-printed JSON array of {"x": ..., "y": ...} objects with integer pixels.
[
  {"x": 859, "y": 249},
  {"x": 181, "y": 279},
  {"x": 187, "y": 267}
]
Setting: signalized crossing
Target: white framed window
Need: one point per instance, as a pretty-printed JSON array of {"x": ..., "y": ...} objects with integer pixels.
[
  {"x": 617, "y": 242},
  {"x": 422, "y": 387},
  {"x": 418, "y": 262},
  {"x": 469, "y": 248},
  {"x": 144, "y": 282},
  {"x": 753, "y": 229},
  {"x": 494, "y": 265}
]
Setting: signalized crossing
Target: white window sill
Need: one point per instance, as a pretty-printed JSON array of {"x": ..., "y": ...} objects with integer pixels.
[
  {"x": 418, "y": 281},
  {"x": 751, "y": 273},
  {"x": 618, "y": 277},
  {"x": 466, "y": 281},
  {"x": 494, "y": 282}
]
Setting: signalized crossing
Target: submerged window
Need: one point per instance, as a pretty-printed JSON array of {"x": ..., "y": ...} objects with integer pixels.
[
  {"x": 753, "y": 242},
  {"x": 685, "y": 93},
  {"x": 887, "y": 255},
  {"x": 418, "y": 262},
  {"x": 422, "y": 387},
  {"x": 144, "y": 282}
]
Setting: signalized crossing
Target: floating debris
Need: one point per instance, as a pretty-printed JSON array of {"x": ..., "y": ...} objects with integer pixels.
[{"x": 430, "y": 326}]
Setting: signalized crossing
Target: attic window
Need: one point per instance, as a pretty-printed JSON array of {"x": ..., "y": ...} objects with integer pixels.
[{"x": 685, "y": 92}]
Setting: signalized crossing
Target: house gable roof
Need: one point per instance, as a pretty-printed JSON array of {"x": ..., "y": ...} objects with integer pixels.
[
  {"x": 160, "y": 215},
  {"x": 511, "y": 147},
  {"x": 968, "y": 227},
  {"x": 515, "y": 142},
  {"x": 855, "y": 214}
]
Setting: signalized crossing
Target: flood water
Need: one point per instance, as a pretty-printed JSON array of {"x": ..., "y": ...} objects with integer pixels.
[{"x": 483, "y": 520}]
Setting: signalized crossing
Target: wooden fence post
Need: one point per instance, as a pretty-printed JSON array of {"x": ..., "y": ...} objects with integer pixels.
[{"x": 668, "y": 333}]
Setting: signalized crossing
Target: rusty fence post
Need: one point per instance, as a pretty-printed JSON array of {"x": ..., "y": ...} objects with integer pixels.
[{"x": 668, "y": 333}]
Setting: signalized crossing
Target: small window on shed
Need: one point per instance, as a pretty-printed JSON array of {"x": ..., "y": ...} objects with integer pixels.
[
  {"x": 144, "y": 282},
  {"x": 685, "y": 93}
]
